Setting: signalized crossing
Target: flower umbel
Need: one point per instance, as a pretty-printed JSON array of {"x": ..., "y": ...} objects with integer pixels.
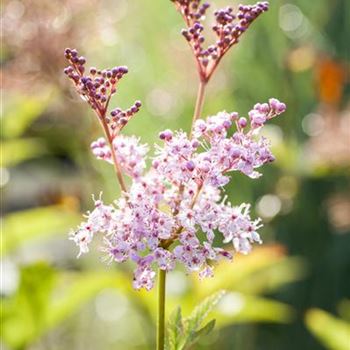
[
  {"x": 157, "y": 223},
  {"x": 176, "y": 212}
]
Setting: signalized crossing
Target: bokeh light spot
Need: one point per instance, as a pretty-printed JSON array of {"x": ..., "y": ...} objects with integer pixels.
[
  {"x": 4, "y": 177},
  {"x": 231, "y": 304},
  {"x": 111, "y": 305},
  {"x": 269, "y": 206},
  {"x": 313, "y": 124}
]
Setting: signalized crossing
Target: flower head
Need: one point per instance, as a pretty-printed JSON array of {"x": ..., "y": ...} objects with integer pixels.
[
  {"x": 157, "y": 224},
  {"x": 176, "y": 212}
]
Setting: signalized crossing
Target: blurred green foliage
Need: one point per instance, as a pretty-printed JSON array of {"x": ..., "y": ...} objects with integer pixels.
[
  {"x": 39, "y": 223},
  {"x": 331, "y": 331},
  {"x": 46, "y": 297}
]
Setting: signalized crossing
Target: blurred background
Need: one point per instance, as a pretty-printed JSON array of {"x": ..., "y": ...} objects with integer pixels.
[{"x": 291, "y": 293}]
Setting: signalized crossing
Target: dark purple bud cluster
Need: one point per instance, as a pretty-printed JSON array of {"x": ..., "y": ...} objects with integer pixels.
[
  {"x": 166, "y": 135},
  {"x": 97, "y": 87},
  {"x": 119, "y": 118},
  {"x": 228, "y": 28},
  {"x": 192, "y": 10}
]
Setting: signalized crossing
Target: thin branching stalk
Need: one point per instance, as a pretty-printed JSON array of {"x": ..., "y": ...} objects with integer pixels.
[
  {"x": 116, "y": 164},
  {"x": 199, "y": 103}
]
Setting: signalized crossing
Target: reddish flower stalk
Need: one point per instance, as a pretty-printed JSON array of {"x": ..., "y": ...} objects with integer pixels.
[{"x": 97, "y": 88}]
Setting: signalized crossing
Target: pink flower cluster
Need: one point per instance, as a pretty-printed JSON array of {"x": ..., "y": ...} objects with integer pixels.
[
  {"x": 175, "y": 212},
  {"x": 129, "y": 153}
]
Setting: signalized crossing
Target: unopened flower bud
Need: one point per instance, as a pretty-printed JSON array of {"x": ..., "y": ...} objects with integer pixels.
[
  {"x": 242, "y": 122},
  {"x": 234, "y": 116},
  {"x": 190, "y": 165},
  {"x": 166, "y": 135}
]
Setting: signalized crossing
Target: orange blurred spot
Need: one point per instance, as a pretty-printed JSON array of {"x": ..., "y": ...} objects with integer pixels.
[
  {"x": 69, "y": 202},
  {"x": 331, "y": 80}
]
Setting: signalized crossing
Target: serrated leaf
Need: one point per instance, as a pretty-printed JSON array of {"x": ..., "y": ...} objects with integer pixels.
[
  {"x": 206, "y": 329},
  {"x": 194, "y": 337},
  {"x": 202, "y": 310},
  {"x": 193, "y": 322},
  {"x": 175, "y": 330}
]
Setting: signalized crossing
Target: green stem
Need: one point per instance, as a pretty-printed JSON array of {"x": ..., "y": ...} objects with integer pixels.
[{"x": 161, "y": 310}]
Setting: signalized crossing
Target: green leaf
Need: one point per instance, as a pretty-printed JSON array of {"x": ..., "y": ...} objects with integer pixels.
[
  {"x": 183, "y": 334},
  {"x": 332, "y": 332},
  {"x": 194, "y": 337},
  {"x": 206, "y": 329},
  {"x": 174, "y": 330},
  {"x": 20, "y": 227},
  {"x": 202, "y": 310},
  {"x": 199, "y": 314}
]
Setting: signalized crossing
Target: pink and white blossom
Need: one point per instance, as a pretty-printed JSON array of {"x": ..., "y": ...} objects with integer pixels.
[
  {"x": 176, "y": 211},
  {"x": 181, "y": 196}
]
